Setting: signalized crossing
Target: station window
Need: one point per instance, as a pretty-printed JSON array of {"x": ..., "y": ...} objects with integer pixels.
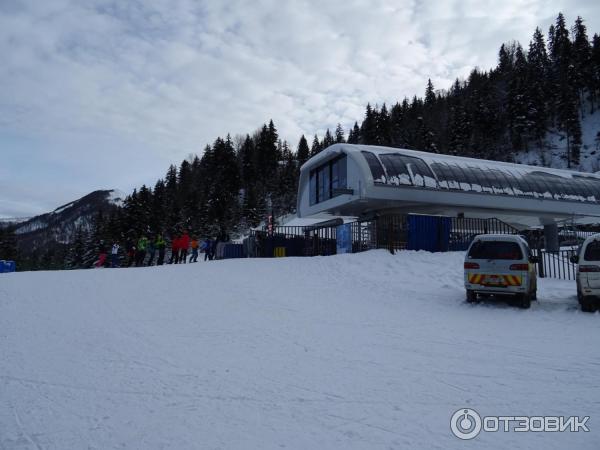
[
  {"x": 590, "y": 187},
  {"x": 338, "y": 174},
  {"x": 396, "y": 168},
  {"x": 326, "y": 178},
  {"x": 419, "y": 171},
  {"x": 451, "y": 176},
  {"x": 376, "y": 167}
]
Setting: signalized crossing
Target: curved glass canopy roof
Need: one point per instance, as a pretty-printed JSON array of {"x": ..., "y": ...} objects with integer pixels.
[{"x": 396, "y": 169}]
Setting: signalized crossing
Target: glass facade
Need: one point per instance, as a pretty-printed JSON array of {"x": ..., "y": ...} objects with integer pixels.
[
  {"x": 325, "y": 179},
  {"x": 376, "y": 168},
  {"x": 396, "y": 169}
]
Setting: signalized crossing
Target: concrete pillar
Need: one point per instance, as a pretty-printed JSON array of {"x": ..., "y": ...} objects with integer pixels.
[{"x": 551, "y": 237}]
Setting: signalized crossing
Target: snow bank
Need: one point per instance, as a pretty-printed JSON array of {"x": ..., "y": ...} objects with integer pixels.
[{"x": 351, "y": 351}]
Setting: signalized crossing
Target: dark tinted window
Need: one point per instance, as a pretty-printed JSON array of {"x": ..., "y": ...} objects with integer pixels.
[
  {"x": 375, "y": 166},
  {"x": 420, "y": 172},
  {"x": 592, "y": 186},
  {"x": 338, "y": 174},
  {"x": 324, "y": 186},
  {"x": 513, "y": 182},
  {"x": 451, "y": 176},
  {"x": 476, "y": 177},
  {"x": 583, "y": 188},
  {"x": 592, "y": 251},
  {"x": 396, "y": 168},
  {"x": 326, "y": 178},
  {"x": 522, "y": 185},
  {"x": 551, "y": 183},
  {"x": 495, "y": 250}
]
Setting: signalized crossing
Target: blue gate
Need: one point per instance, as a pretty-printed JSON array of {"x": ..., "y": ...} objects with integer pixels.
[{"x": 431, "y": 233}]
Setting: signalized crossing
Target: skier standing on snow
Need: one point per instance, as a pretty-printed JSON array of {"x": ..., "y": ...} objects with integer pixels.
[
  {"x": 184, "y": 243},
  {"x": 114, "y": 255},
  {"x": 141, "y": 251},
  {"x": 101, "y": 254},
  {"x": 174, "y": 249},
  {"x": 205, "y": 248},
  {"x": 151, "y": 251},
  {"x": 160, "y": 245},
  {"x": 130, "y": 249},
  {"x": 194, "y": 245}
]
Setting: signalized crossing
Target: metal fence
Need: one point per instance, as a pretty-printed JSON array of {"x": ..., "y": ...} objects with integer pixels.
[
  {"x": 555, "y": 264},
  {"x": 311, "y": 240},
  {"x": 464, "y": 230},
  {"x": 392, "y": 232},
  {"x": 408, "y": 232}
]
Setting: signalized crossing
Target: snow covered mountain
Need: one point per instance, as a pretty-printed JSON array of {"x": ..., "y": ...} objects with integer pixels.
[{"x": 59, "y": 226}]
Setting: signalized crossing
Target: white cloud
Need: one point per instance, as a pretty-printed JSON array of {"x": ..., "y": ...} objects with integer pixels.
[{"x": 115, "y": 91}]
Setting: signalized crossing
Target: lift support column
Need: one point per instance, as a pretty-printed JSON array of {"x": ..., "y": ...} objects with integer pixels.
[{"x": 551, "y": 237}]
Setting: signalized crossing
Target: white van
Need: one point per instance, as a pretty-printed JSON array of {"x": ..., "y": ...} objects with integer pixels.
[
  {"x": 588, "y": 273},
  {"x": 500, "y": 264}
]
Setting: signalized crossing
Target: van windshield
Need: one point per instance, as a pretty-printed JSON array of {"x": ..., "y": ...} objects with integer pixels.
[
  {"x": 592, "y": 251},
  {"x": 495, "y": 250}
]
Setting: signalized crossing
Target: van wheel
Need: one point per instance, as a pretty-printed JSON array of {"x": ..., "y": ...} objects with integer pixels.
[
  {"x": 587, "y": 306},
  {"x": 524, "y": 301},
  {"x": 471, "y": 296}
]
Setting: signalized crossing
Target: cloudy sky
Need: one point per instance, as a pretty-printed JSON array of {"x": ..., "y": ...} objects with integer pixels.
[{"x": 106, "y": 94}]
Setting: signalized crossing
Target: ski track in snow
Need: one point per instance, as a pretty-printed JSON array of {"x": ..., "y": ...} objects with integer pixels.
[{"x": 351, "y": 351}]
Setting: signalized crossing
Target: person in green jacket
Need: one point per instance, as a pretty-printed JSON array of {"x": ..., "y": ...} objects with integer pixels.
[
  {"x": 160, "y": 245},
  {"x": 141, "y": 251}
]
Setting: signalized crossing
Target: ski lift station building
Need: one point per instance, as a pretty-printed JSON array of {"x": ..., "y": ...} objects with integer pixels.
[{"x": 362, "y": 180}]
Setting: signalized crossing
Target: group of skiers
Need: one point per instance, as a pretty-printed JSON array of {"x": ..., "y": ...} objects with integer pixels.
[{"x": 155, "y": 250}]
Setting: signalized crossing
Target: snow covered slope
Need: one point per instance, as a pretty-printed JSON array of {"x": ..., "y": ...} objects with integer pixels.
[
  {"x": 555, "y": 152},
  {"x": 364, "y": 351}
]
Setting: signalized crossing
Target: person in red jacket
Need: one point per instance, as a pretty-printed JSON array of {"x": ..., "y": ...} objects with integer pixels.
[
  {"x": 184, "y": 243},
  {"x": 174, "y": 249}
]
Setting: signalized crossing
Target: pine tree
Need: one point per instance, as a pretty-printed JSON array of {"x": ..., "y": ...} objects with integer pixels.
[
  {"x": 339, "y": 134},
  {"x": 223, "y": 206},
  {"x": 458, "y": 122},
  {"x": 595, "y": 71},
  {"x": 582, "y": 61},
  {"x": 247, "y": 159},
  {"x": 519, "y": 102},
  {"x": 368, "y": 129},
  {"x": 327, "y": 139},
  {"x": 354, "y": 135},
  {"x": 538, "y": 88},
  {"x": 566, "y": 101},
  {"x": 267, "y": 156},
  {"x": 383, "y": 127},
  {"x": 8, "y": 245},
  {"x": 285, "y": 201},
  {"x": 316, "y": 146},
  {"x": 429, "y": 94},
  {"x": 75, "y": 253},
  {"x": 303, "y": 151},
  {"x": 173, "y": 208}
]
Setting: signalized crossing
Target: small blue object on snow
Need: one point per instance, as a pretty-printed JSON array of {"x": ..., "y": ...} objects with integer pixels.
[{"x": 7, "y": 266}]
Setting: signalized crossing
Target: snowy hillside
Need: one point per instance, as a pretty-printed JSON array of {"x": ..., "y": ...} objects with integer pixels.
[
  {"x": 555, "y": 153},
  {"x": 363, "y": 351}
]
